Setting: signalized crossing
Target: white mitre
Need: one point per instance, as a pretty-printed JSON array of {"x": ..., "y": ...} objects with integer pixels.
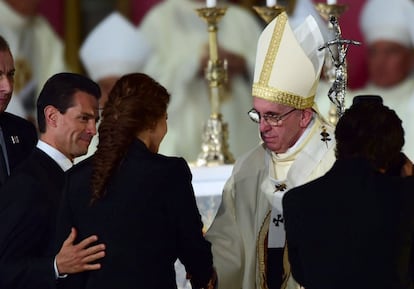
[
  {"x": 304, "y": 8},
  {"x": 388, "y": 20},
  {"x": 114, "y": 48},
  {"x": 289, "y": 63}
]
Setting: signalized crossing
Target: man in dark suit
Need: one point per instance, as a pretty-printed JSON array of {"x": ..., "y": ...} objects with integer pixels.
[
  {"x": 353, "y": 227},
  {"x": 67, "y": 111},
  {"x": 17, "y": 136}
]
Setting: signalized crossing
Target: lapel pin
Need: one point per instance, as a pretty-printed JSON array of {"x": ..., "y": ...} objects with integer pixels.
[{"x": 15, "y": 139}]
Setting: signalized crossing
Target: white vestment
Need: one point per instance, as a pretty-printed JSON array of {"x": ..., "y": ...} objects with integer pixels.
[
  {"x": 179, "y": 37},
  {"x": 245, "y": 203},
  {"x": 33, "y": 42}
]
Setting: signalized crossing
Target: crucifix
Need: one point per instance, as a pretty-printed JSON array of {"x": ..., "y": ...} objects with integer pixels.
[{"x": 338, "y": 48}]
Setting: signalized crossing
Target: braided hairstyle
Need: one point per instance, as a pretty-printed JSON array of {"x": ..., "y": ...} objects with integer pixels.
[{"x": 134, "y": 104}]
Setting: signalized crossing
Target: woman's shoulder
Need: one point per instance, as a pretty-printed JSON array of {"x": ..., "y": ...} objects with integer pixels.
[{"x": 171, "y": 161}]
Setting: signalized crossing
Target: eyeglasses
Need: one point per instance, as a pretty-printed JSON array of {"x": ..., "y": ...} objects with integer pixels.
[{"x": 270, "y": 118}]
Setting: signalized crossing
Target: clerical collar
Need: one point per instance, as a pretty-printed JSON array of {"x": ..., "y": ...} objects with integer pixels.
[{"x": 56, "y": 155}]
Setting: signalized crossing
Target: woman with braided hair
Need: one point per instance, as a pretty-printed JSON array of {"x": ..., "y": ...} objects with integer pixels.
[{"x": 141, "y": 204}]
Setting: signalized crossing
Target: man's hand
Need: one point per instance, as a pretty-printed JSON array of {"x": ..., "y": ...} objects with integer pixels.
[
  {"x": 212, "y": 283},
  {"x": 77, "y": 258}
]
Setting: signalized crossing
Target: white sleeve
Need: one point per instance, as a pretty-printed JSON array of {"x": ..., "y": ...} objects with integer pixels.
[{"x": 226, "y": 241}]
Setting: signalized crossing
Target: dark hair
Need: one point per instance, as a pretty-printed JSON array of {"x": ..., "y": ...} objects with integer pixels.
[
  {"x": 135, "y": 103},
  {"x": 59, "y": 91},
  {"x": 4, "y": 45},
  {"x": 370, "y": 130}
]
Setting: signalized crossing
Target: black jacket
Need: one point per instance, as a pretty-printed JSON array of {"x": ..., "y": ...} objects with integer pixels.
[
  {"x": 20, "y": 137},
  {"x": 28, "y": 210},
  {"x": 147, "y": 219},
  {"x": 352, "y": 228}
]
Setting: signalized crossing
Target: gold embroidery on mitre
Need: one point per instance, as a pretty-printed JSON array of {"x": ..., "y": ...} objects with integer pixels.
[
  {"x": 273, "y": 49},
  {"x": 276, "y": 95},
  {"x": 262, "y": 89}
]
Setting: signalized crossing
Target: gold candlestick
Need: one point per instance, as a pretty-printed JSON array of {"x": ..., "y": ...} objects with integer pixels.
[
  {"x": 269, "y": 13},
  {"x": 214, "y": 146}
]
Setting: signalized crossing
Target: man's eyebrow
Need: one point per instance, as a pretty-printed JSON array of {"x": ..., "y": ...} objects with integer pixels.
[{"x": 90, "y": 115}]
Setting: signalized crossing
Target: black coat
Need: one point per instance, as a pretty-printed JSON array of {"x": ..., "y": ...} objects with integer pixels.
[
  {"x": 28, "y": 209},
  {"x": 147, "y": 219},
  {"x": 20, "y": 137},
  {"x": 351, "y": 228}
]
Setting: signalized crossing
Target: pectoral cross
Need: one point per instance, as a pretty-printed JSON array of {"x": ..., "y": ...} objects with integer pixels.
[
  {"x": 280, "y": 187},
  {"x": 325, "y": 136}
]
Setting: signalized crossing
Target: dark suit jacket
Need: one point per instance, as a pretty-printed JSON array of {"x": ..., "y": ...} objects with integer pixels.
[
  {"x": 147, "y": 219},
  {"x": 28, "y": 209},
  {"x": 20, "y": 137},
  {"x": 351, "y": 228}
]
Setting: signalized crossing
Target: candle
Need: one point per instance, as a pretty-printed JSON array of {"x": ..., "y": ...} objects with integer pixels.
[
  {"x": 331, "y": 2},
  {"x": 270, "y": 3},
  {"x": 211, "y": 3}
]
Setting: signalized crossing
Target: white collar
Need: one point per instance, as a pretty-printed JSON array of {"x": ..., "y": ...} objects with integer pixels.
[{"x": 56, "y": 155}]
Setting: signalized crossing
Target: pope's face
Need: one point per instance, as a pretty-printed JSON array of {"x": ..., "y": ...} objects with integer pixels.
[
  {"x": 6, "y": 79},
  {"x": 389, "y": 63},
  {"x": 279, "y": 138}
]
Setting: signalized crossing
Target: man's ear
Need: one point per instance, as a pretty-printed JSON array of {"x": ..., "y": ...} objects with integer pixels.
[
  {"x": 306, "y": 117},
  {"x": 51, "y": 115}
]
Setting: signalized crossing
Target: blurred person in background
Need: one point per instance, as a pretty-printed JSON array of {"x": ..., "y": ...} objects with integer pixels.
[
  {"x": 179, "y": 38},
  {"x": 388, "y": 30},
  {"x": 113, "y": 48},
  {"x": 37, "y": 49}
]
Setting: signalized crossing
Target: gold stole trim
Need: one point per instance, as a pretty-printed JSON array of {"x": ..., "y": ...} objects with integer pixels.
[{"x": 261, "y": 248}]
